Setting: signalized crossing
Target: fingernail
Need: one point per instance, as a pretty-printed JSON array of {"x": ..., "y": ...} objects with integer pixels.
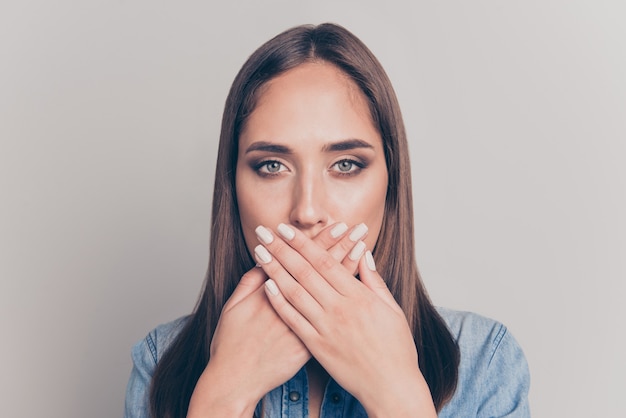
[
  {"x": 286, "y": 232},
  {"x": 358, "y": 232},
  {"x": 264, "y": 234},
  {"x": 262, "y": 254},
  {"x": 357, "y": 251},
  {"x": 271, "y": 286},
  {"x": 338, "y": 230},
  {"x": 369, "y": 260}
]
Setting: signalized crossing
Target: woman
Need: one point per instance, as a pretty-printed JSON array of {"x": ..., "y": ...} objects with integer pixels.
[{"x": 312, "y": 188}]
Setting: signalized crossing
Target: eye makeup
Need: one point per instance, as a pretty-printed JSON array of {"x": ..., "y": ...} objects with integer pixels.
[
  {"x": 348, "y": 167},
  {"x": 267, "y": 167}
]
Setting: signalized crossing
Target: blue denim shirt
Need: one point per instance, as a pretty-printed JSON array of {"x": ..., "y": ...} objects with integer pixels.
[{"x": 493, "y": 376}]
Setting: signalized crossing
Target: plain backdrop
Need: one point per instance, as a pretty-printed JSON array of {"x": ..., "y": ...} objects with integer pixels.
[{"x": 109, "y": 120}]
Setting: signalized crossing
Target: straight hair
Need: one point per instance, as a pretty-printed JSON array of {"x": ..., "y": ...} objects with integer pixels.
[{"x": 182, "y": 364}]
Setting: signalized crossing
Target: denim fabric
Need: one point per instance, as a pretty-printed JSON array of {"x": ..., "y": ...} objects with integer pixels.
[{"x": 493, "y": 376}]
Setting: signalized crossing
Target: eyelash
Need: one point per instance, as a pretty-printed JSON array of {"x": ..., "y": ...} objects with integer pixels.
[
  {"x": 360, "y": 165},
  {"x": 258, "y": 166}
]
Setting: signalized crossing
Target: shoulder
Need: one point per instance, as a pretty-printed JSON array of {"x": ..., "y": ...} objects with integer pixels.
[
  {"x": 493, "y": 373},
  {"x": 473, "y": 333},
  {"x": 146, "y": 354},
  {"x": 159, "y": 339}
]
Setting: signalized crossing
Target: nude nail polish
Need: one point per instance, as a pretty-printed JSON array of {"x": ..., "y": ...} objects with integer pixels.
[
  {"x": 264, "y": 234},
  {"x": 271, "y": 286},
  {"x": 369, "y": 260},
  {"x": 262, "y": 254},
  {"x": 357, "y": 251},
  {"x": 338, "y": 230},
  {"x": 358, "y": 232},
  {"x": 286, "y": 232}
]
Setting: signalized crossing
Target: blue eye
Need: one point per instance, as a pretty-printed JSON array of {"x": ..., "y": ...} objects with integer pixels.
[
  {"x": 269, "y": 167},
  {"x": 347, "y": 167},
  {"x": 272, "y": 166}
]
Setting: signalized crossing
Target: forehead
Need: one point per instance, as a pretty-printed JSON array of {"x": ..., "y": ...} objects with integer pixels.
[{"x": 313, "y": 102}]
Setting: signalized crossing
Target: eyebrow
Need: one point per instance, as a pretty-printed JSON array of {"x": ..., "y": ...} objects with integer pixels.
[
  {"x": 269, "y": 147},
  {"x": 346, "y": 145}
]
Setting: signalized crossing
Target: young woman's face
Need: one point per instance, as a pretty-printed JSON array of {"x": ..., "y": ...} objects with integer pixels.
[{"x": 310, "y": 156}]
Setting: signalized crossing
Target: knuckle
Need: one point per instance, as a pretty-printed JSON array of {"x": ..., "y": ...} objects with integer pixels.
[
  {"x": 324, "y": 240},
  {"x": 337, "y": 253},
  {"x": 326, "y": 261},
  {"x": 297, "y": 295},
  {"x": 346, "y": 246},
  {"x": 247, "y": 278},
  {"x": 339, "y": 314},
  {"x": 341, "y": 250},
  {"x": 298, "y": 243},
  {"x": 279, "y": 248},
  {"x": 271, "y": 269},
  {"x": 304, "y": 274}
]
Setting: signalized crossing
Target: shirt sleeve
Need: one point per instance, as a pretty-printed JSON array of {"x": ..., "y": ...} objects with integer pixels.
[
  {"x": 138, "y": 389},
  {"x": 507, "y": 380}
]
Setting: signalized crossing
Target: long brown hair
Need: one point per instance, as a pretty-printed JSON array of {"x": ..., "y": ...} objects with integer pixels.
[{"x": 180, "y": 368}]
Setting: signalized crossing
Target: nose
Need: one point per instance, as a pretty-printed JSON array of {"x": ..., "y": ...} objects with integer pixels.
[{"x": 308, "y": 212}]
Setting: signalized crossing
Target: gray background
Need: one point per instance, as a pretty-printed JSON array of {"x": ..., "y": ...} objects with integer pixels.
[{"x": 109, "y": 118}]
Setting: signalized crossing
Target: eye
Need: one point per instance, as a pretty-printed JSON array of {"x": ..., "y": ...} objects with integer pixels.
[
  {"x": 345, "y": 165},
  {"x": 348, "y": 167},
  {"x": 269, "y": 167}
]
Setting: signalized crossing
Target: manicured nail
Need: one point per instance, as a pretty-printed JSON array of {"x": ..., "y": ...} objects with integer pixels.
[
  {"x": 262, "y": 254},
  {"x": 271, "y": 286},
  {"x": 369, "y": 260},
  {"x": 358, "y": 232},
  {"x": 264, "y": 234},
  {"x": 357, "y": 251},
  {"x": 338, "y": 230},
  {"x": 286, "y": 232}
]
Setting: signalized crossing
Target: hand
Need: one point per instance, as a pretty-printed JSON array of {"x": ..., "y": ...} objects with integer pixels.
[
  {"x": 355, "y": 329},
  {"x": 252, "y": 350}
]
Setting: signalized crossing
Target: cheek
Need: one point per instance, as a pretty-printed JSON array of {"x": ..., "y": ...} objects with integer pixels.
[
  {"x": 256, "y": 208},
  {"x": 375, "y": 219},
  {"x": 374, "y": 203},
  {"x": 248, "y": 210},
  {"x": 365, "y": 203}
]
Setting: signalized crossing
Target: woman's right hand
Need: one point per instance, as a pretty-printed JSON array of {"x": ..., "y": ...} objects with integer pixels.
[{"x": 252, "y": 350}]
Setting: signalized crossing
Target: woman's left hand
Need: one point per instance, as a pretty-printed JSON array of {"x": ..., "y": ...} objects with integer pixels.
[{"x": 355, "y": 329}]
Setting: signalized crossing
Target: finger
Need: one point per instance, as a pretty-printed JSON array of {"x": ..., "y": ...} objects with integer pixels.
[
  {"x": 328, "y": 237},
  {"x": 352, "y": 247},
  {"x": 291, "y": 289},
  {"x": 310, "y": 265},
  {"x": 252, "y": 280},
  {"x": 300, "y": 270},
  {"x": 340, "y": 244},
  {"x": 370, "y": 278},
  {"x": 290, "y": 316}
]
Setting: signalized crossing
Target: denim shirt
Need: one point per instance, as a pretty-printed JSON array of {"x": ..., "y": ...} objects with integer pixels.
[{"x": 493, "y": 376}]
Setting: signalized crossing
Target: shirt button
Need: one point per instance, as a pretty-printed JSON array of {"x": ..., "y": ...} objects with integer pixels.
[
  {"x": 335, "y": 398},
  {"x": 294, "y": 396}
]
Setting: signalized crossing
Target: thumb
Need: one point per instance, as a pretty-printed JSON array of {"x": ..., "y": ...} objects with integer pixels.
[
  {"x": 252, "y": 280},
  {"x": 370, "y": 278}
]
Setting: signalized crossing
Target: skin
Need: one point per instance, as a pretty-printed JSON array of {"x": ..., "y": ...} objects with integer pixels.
[
  {"x": 307, "y": 111},
  {"x": 310, "y": 160}
]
